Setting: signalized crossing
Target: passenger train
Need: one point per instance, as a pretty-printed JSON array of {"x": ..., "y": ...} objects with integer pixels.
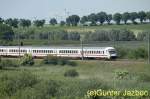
[{"x": 70, "y": 52}]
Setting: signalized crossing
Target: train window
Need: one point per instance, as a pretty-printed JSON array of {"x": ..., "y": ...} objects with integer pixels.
[{"x": 103, "y": 52}]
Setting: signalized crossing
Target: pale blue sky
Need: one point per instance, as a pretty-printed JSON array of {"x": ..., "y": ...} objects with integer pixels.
[{"x": 45, "y": 9}]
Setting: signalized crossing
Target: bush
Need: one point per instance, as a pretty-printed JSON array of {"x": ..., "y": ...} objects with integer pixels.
[
  {"x": 27, "y": 59},
  {"x": 121, "y": 74},
  {"x": 139, "y": 53},
  {"x": 62, "y": 61},
  {"x": 54, "y": 60},
  {"x": 77, "y": 89},
  {"x": 71, "y": 63},
  {"x": 42, "y": 90},
  {"x": 122, "y": 52},
  {"x": 50, "y": 60},
  {"x": 7, "y": 63},
  {"x": 144, "y": 77},
  {"x": 10, "y": 84},
  {"x": 71, "y": 73}
]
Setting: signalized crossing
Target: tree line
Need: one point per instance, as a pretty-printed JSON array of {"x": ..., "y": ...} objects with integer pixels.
[{"x": 92, "y": 19}]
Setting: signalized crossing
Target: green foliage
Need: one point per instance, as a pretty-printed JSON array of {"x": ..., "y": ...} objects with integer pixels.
[
  {"x": 54, "y": 60},
  {"x": 50, "y": 60},
  {"x": 73, "y": 36},
  {"x": 1, "y": 20},
  {"x": 53, "y": 21},
  {"x": 84, "y": 19},
  {"x": 12, "y": 22},
  {"x": 101, "y": 17},
  {"x": 139, "y": 53},
  {"x": 148, "y": 16},
  {"x": 6, "y": 32},
  {"x": 121, "y": 74},
  {"x": 4, "y": 63},
  {"x": 71, "y": 73},
  {"x": 143, "y": 77},
  {"x": 109, "y": 18},
  {"x": 117, "y": 18},
  {"x": 125, "y": 17},
  {"x": 43, "y": 90},
  {"x": 92, "y": 18},
  {"x": 122, "y": 52},
  {"x": 133, "y": 17},
  {"x": 73, "y": 20},
  {"x": 27, "y": 59},
  {"x": 62, "y": 23},
  {"x": 25, "y": 22},
  {"x": 142, "y": 36},
  {"x": 39, "y": 23},
  {"x": 77, "y": 89},
  {"x": 10, "y": 84},
  {"x": 111, "y": 35},
  {"x": 142, "y": 16}
]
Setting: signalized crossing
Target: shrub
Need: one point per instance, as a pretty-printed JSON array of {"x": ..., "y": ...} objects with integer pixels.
[
  {"x": 7, "y": 63},
  {"x": 42, "y": 90},
  {"x": 50, "y": 60},
  {"x": 62, "y": 61},
  {"x": 14, "y": 82},
  {"x": 122, "y": 52},
  {"x": 77, "y": 89},
  {"x": 54, "y": 60},
  {"x": 27, "y": 59},
  {"x": 139, "y": 53},
  {"x": 144, "y": 77},
  {"x": 48, "y": 88},
  {"x": 71, "y": 73},
  {"x": 121, "y": 74}
]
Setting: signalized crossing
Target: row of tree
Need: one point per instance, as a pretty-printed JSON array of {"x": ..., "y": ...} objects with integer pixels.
[
  {"x": 22, "y": 22},
  {"x": 103, "y": 17},
  {"x": 93, "y": 19}
]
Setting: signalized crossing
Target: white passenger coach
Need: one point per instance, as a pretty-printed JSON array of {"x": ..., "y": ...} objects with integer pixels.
[{"x": 71, "y": 52}]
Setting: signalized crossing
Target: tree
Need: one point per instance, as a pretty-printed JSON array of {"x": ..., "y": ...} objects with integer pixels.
[
  {"x": 133, "y": 17},
  {"x": 25, "y": 22},
  {"x": 109, "y": 18},
  {"x": 84, "y": 19},
  {"x": 73, "y": 36},
  {"x": 92, "y": 18},
  {"x": 73, "y": 20},
  {"x": 142, "y": 16},
  {"x": 148, "y": 15},
  {"x": 12, "y": 22},
  {"x": 53, "y": 21},
  {"x": 126, "y": 35},
  {"x": 1, "y": 20},
  {"x": 62, "y": 23},
  {"x": 39, "y": 23},
  {"x": 101, "y": 17},
  {"x": 117, "y": 18},
  {"x": 125, "y": 17},
  {"x": 6, "y": 32}
]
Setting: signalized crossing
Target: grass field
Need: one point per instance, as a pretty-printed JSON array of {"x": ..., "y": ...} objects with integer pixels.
[
  {"x": 47, "y": 28},
  {"x": 93, "y": 74}
]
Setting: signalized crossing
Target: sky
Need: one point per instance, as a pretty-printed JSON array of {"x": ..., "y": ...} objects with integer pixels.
[{"x": 59, "y": 9}]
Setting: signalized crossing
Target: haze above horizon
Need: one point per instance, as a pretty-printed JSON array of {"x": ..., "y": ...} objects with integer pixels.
[{"x": 60, "y": 9}]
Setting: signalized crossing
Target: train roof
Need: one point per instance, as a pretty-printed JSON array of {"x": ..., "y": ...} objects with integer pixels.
[{"x": 54, "y": 47}]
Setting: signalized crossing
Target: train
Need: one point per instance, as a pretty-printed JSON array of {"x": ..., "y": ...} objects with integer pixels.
[{"x": 70, "y": 52}]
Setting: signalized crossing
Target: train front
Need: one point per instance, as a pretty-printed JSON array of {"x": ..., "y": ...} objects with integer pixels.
[{"x": 112, "y": 53}]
